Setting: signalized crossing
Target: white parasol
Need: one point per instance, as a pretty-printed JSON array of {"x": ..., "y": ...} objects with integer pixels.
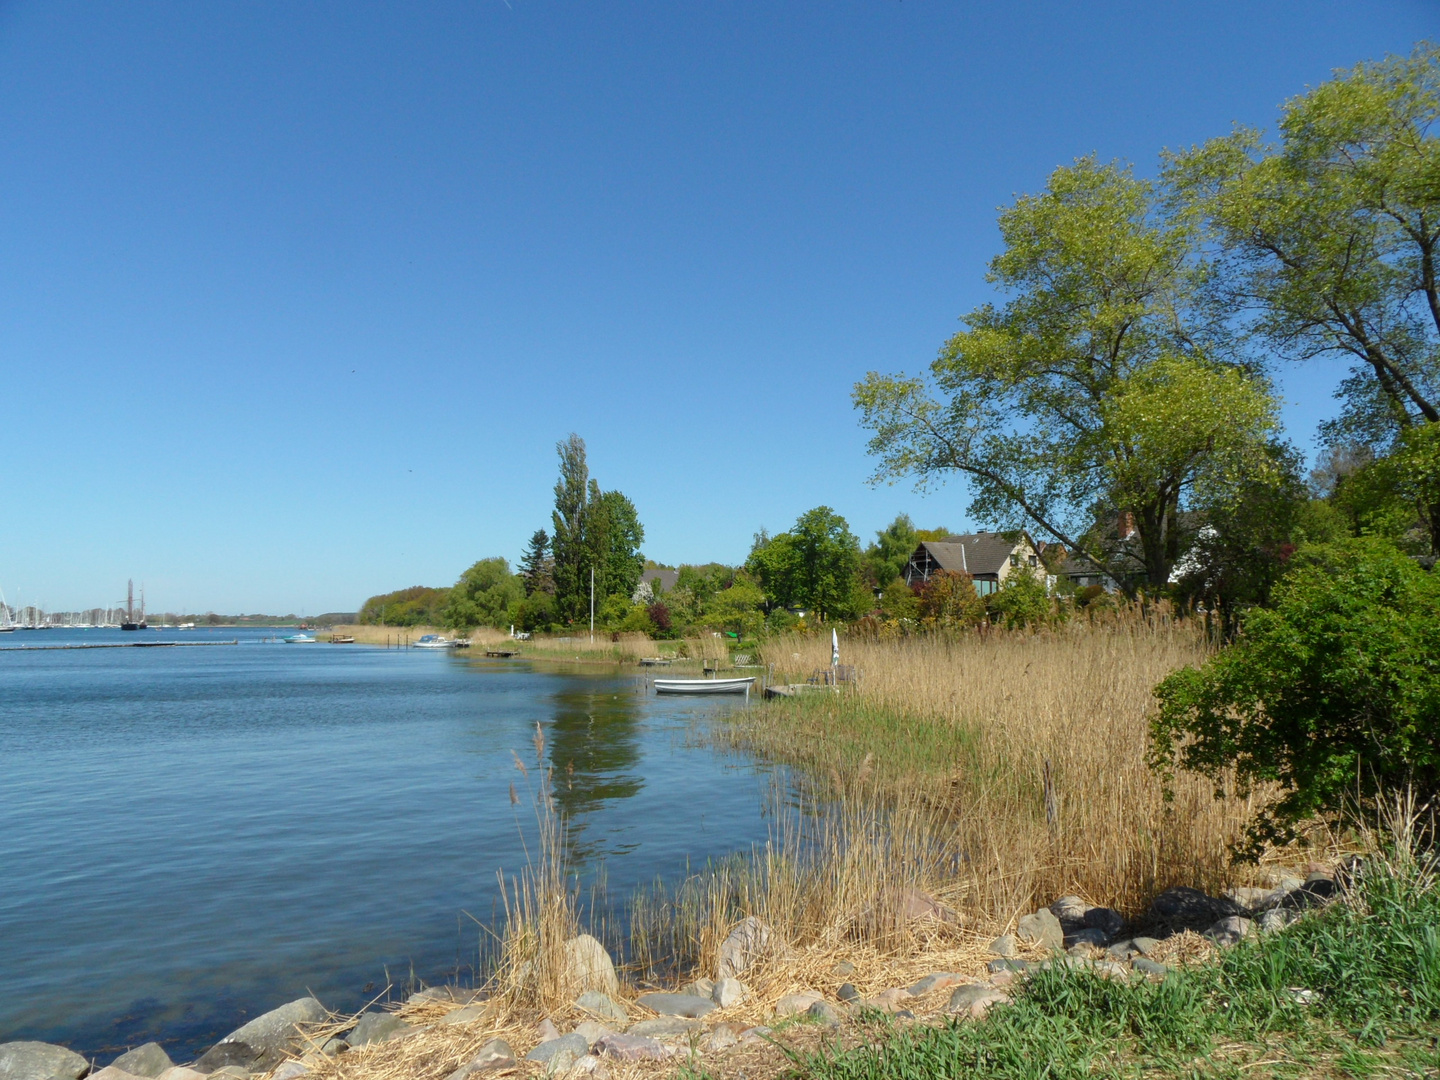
[{"x": 834, "y": 648}]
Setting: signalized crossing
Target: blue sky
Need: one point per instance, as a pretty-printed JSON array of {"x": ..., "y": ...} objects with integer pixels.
[{"x": 296, "y": 299}]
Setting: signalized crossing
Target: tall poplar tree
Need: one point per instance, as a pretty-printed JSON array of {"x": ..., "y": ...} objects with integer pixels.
[{"x": 568, "y": 530}]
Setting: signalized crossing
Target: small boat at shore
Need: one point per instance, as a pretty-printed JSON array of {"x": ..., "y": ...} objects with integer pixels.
[
  {"x": 435, "y": 641},
  {"x": 705, "y": 686},
  {"x": 341, "y": 639},
  {"x": 298, "y": 639}
]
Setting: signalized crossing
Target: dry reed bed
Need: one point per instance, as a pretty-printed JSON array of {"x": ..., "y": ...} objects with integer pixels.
[{"x": 1072, "y": 703}]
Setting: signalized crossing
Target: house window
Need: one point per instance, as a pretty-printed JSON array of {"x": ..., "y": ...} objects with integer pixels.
[
  {"x": 1014, "y": 558},
  {"x": 1034, "y": 560}
]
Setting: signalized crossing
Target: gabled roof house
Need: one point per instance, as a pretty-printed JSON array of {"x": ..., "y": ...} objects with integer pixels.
[{"x": 988, "y": 557}]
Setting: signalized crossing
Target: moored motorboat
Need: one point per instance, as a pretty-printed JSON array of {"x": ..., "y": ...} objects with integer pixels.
[
  {"x": 705, "y": 686},
  {"x": 298, "y": 639}
]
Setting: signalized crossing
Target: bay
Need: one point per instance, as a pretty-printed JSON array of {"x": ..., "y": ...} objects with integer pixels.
[{"x": 190, "y": 836}]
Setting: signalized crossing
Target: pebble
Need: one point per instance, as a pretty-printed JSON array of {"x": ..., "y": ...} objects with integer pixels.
[
  {"x": 825, "y": 1013},
  {"x": 847, "y": 992},
  {"x": 689, "y": 1005}
]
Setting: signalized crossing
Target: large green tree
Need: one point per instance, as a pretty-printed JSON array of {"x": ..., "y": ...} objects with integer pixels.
[
  {"x": 537, "y": 568},
  {"x": 812, "y": 566},
  {"x": 1107, "y": 383},
  {"x": 613, "y": 535},
  {"x": 1330, "y": 239},
  {"x": 483, "y": 595}
]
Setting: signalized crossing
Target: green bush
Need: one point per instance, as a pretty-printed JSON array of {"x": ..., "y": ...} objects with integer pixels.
[
  {"x": 1334, "y": 693},
  {"x": 1022, "y": 601}
]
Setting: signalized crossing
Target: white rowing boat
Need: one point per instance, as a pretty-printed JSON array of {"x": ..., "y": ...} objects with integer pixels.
[{"x": 704, "y": 686}]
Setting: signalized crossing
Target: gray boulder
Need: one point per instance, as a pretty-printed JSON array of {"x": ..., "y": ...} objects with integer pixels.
[
  {"x": 148, "y": 1060},
  {"x": 290, "y": 1070},
  {"x": 557, "y": 1055},
  {"x": 40, "y": 1061},
  {"x": 690, "y": 1005},
  {"x": 495, "y": 1054},
  {"x": 666, "y": 1027},
  {"x": 1004, "y": 945},
  {"x": 1275, "y": 919},
  {"x": 593, "y": 1031},
  {"x": 1229, "y": 931},
  {"x": 589, "y": 967},
  {"x": 1088, "y": 936},
  {"x": 822, "y": 1012},
  {"x": 1149, "y": 967},
  {"x": 261, "y": 1044},
  {"x": 748, "y": 942},
  {"x": 633, "y": 1048},
  {"x": 602, "y": 1005},
  {"x": 847, "y": 993},
  {"x": 1183, "y": 907},
  {"x": 1070, "y": 910},
  {"x": 376, "y": 1027},
  {"x": 1043, "y": 929},
  {"x": 1107, "y": 920},
  {"x": 729, "y": 992}
]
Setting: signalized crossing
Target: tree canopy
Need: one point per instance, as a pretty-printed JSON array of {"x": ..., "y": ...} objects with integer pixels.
[
  {"x": 813, "y": 566},
  {"x": 483, "y": 596},
  {"x": 1108, "y": 382}
]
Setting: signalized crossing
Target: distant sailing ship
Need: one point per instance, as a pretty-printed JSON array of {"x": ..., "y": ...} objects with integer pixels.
[
  {"x": 130, "y": 622},
  {"x": 7, "y": 624}
]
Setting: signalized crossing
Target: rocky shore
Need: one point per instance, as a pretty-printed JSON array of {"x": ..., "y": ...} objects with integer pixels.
[{"x": 609, "y": 1023}]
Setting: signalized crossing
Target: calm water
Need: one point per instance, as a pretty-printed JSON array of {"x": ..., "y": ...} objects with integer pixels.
[{"x": 189, "y": 836}]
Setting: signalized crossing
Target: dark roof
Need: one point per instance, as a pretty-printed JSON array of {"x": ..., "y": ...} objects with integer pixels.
[
  {"x": 667, "y": 578},
  {"x": 977, "y": 554}
]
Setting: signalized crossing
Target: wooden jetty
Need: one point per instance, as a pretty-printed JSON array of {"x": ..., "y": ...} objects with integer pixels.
[{"x": 502, "y": 654}]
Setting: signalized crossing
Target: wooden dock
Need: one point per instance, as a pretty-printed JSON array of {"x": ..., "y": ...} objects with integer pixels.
[{"x": 502, "y": 654}]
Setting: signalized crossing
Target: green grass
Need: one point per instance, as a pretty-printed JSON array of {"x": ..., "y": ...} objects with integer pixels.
[
  {"x": 846, "y": 736},
  {"x": 1373, "y": 966}
]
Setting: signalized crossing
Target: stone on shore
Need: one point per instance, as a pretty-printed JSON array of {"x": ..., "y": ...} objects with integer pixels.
[
  {"x": 1183, "y": 907},
  {"x": 546, "y": 1031},
  {"x": 1004, "y": 945},
  {"x": 843, "y": 968},
  {"x": 110, "y": 1072},
  {"x": 184, "y": 1072},
  {"x": 589, "y": 967},
  {"x": 939, "y": 980},
  {"x": 1070, "y": 910},
  {"x": 1107, "y": 920},
  {"x": 1089, "y": 936},
  {"x": 557, "y": 1055},
  {"x": 690, "y": 1005},
  {"x": 290, "y": 1070},
  {"x": 589, "y": 1065},
  {"x": 916, "y": 904},
  {"x": 1274, "y": 919},
  {"x": 332, "y": 1048},
  {"x": 701, "y": 987},
  {"x": 460, "y": 995},
  {"x": 26, "y": 1060},
  {"x": 728, "y": 992},
  {"x": 495, "y": 1054},
  {"x": 822, "y": 1012},
  {"x": 266, "y": 1038},
  {"x": 593, "y": 1031},
  {"x": 1149, "y": 967},
  {"x": 721, "y": 1038},
  {"x": 665, "y": 1027},
  {"x": 635, "y": 1048},
  {"x": 149, "y": 1060},
  {"x": 749, "y": 941},
  {"x": 794, "y": 1004},
  {"x": 847, "y": 993},
  {"x": 466, "y": 1014},
  {"x": 975, "y": 1000},
  {"x": 376, "y": 1027},
  {"x": 1229, "y": 931},
  {"x": 1042, "y": 929},
  {"x": 602, "y": 1005}
]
